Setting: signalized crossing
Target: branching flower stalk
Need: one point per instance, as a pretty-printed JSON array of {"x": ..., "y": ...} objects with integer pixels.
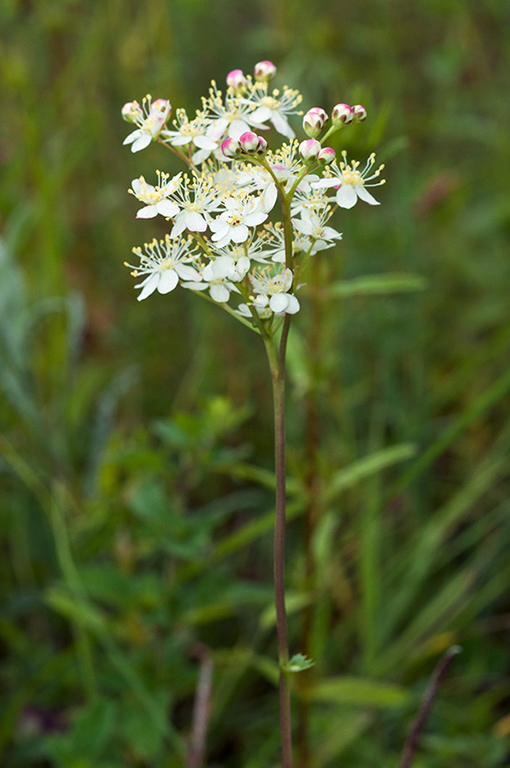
[{"x": 226, "y": 243}]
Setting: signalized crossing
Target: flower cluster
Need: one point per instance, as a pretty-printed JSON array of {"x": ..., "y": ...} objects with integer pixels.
[{"x": 223, "y": 240}]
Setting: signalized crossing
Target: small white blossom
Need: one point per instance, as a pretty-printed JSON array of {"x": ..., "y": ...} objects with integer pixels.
[
  {"x": 156, "y": 198},
  {"x": 191, "y": 132},
  {"x": 196, "y": 201},
  {"x": 273, "y": 291},
  {"x": 150, "y": 118},
  {"x": 163, "y": 263},
  {"x": 242, "y": 211},
  {"x": 230, "y": 116},
  {"x": 219, "y": 288},
  {"x": 312, "y": 224},
  {"x": 275, "y": 108},
  {"x": 351, "y": 183}
]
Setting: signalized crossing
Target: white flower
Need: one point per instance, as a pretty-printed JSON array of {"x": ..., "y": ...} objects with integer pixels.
[
  {"x": 231, "y": 116},
  {"x": 150, "y": 119},
  {"x": 242, "y": 212},
  {"x": 307, "y": 197},
  {"x": 219, "y": 289},
  {"x": 163, "y": 263},
  {"x": 156, "y": 198},
  {"x": 192, "y": 132},
  {"x": 351, "y": 183},
  {"x": 312, "y": 224},
  {"x": 274, "y": 247},
  {"x": 256, "y": 178},
  {"x": 263, "y": 312},
  {"x": 196, "y": 202},
  {"x": 274, "y": 108},
  {"x": 273, "y": 291}
]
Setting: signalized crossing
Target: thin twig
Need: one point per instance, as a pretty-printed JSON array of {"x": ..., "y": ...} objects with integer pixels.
[
  {"x": 431, "y": 691},
  {"x": 201, "y": 708}
]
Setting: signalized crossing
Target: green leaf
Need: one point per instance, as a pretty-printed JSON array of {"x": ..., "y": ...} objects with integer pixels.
[
  {"x": 74, "y": 609},
  {"x": 93, "y": 728},
  {"x": 298, "y": 663},
  {"x": 357, "y": 690},
  {"x": 378, "y": 285},
  {"x": 367, "y": 466}
]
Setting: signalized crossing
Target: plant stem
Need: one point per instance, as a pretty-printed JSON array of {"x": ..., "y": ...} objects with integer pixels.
[
  {"x": 277, "y": 366},
  {"x": 418, "y": 725}
]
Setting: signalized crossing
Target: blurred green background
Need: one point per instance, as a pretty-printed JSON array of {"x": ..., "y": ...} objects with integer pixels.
[{"x": 135, "y": 448}]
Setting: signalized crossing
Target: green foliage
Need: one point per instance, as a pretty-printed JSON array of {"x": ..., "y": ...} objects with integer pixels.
[{"x": 136, "y": 481}]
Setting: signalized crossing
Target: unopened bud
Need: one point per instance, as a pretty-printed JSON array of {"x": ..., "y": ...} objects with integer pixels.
[
  {"x": 131, "y": 111},
  {"x": 236, "y": 79},
  {"x": 312, "y": 124},
  {"x": 321, "y": 112},
  {"x": 360, "y": 113},
  {"x": 264, "y": 71},
  {"x": 230, "y": 147},
  {"x": 249, "y": 142},
  {"x": 326, "y": 155},
  {"x": 309, "y": 149},
  {"x": 342, "y": 113},
  {"x": 262, "y": 149},
  {"x": 160, "y": 110}
]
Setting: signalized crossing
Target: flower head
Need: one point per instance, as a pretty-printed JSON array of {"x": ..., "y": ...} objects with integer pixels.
[
  {"x": 242, "y": 211},
  {"x": 150, "y": 118},
  {"x": 163, "y": 262},
  {"x": 156, "y": 198},
  {"x": 273, "y": 290},
  {"x": 275, "y": 107},
  {"x": 351, "y": 183}
]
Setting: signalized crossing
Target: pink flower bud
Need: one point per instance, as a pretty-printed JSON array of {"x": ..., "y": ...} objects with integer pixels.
[
  {"x": 249, "y": 142},
  {"x": 321, "y": 112},
  {"x": 360, "y": 113},
  {"x": 309, "y": 149},
  {"x": 131, "y": 111},
  {"x": 342, "y": 113},
  {"x": 326, "y": 155},
  {"x": 262, "y": 146},
  {"x": 236, "y": 79},
  {"x": 264, "y": 71},
  {"x": 312, "y": 124},
  {"x": 162, "y": 106},
  {"x": 230, "y": 147}
]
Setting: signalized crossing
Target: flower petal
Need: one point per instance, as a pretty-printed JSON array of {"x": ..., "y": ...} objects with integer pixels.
[
  {"x": 147, "y": 213},
  {"x": 141, "y": 142},
  {"x": 220, "y": 293},
  {"x": 149, "y": 286},
  {"x": 167, "y": 280},
  {"x": 167, "y": 208},
  {"x": 365, "y": 195},
  {"x": 346, "y": 196}
]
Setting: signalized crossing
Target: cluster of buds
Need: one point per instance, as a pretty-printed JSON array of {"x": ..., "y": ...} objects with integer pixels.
[
  {"x": 343, "y": 113},
  {"x": 311, "y": 151},
  {"x": 316, "y": 118},
  {"x": 247, "y": 144}
]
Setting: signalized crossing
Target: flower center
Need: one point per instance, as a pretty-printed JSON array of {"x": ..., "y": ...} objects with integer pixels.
[
  {"x": 352, "y": 177},
  {"x": 270, "y": 102}
]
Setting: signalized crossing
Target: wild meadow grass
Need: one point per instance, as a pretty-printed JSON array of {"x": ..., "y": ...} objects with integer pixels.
[{"x": 136, "y": 480}]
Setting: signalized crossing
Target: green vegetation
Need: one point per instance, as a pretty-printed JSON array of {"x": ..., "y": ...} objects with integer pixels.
[{"x": 136, "y": 480}]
